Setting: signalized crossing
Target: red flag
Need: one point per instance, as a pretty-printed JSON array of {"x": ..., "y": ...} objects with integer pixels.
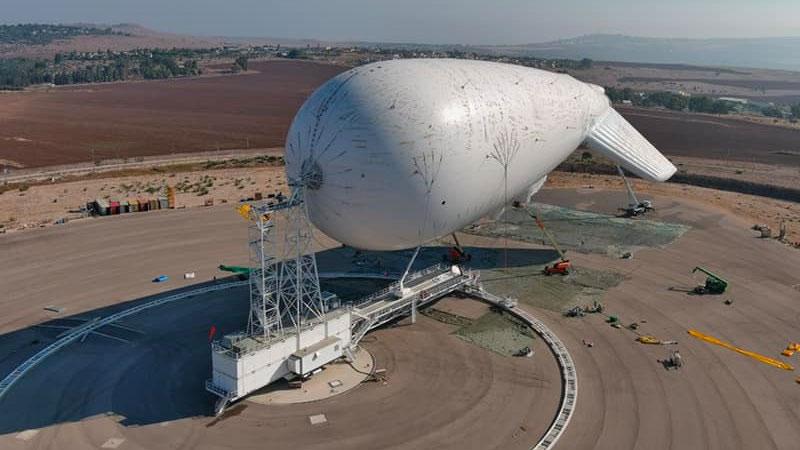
[{"x": 211, "y": 332}]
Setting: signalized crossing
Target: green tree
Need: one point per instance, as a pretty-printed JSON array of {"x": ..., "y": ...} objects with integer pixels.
[
  {"x": 700, "y": 104},
  {"x": 796, "y": 110},
  {"x": 241, "y": 61},
  {"x": 772, "y": 111}
]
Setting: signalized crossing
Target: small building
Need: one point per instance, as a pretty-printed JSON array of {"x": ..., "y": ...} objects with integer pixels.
[
  {"x": 163, "y": 203},
  {"x": 113, "y": 207},
  {"x": 741, "y": 101},
  {"x": 153, "y": 204},
  {"x": 133, "y": 205},
  {"x": 101, "y": 206},
  {"x": 144, "y": 205},
  {"x": 124, "y": 207}
]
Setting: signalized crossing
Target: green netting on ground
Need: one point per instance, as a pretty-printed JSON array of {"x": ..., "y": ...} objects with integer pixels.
[
  {"x": 582, "y": 231},
  {"x": 529, "y": 285},
  {"x": 498, "y": 332}
]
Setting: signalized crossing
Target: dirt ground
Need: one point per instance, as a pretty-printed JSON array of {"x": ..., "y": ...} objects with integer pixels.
[
  {"x": 752, "y": 209},
  {"x": 94, "y": 122},
  {"x": 749, "y": 171},
  {"x": 720, "y": 399},
  {"x": 713, "y": 137},
  {"x": 148, "y": 393},
  {"x": 36, "y": 207},
  {"x": 764, "y": 85},
  {"x": 44, "y": 204},
  {"x": 74, "y": 124},
  {"x": 443, "y": 392}
]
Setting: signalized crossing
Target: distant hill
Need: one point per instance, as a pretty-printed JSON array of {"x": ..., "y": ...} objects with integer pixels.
[
  {"x": 767, "y": 53},
  {"x": 28, "y": 40}
]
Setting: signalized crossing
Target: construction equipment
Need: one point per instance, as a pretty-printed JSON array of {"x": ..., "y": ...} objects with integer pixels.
[
  {"x": 635, "y": 207},
  {"x": 765, "y": 230},
  {"x": 580, "y": 311},
  {"x": 244, "y": 211},
  {"x": 561, "y": 267},
  {"x": 171, "y": 197},
  {"x": 508, "y": 302},
  {"x": 652, "y": 340},
  {"x": 714, "y": 283},
  {"x": 378, "y": 375},
  {"x": 673, "y": 361},
  {"x": 241, "y": 271},
  {"x": 525, "y": 352},
  {"x": 456, "y": 254},
  {"x": 791, "y": 349},
  {"x": 758, "y": 357},
  {"x": 577, "y": 311}
]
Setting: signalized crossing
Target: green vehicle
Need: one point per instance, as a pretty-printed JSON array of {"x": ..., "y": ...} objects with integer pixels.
[
  {"x": 714, "y": 283},
  {"x": 243, "y": 272}
]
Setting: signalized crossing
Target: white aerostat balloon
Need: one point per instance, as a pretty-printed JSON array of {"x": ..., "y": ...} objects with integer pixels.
[{"x": 395, "y": 154}]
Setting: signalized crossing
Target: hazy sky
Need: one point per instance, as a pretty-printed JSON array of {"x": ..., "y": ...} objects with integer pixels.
[{"x": 431, "y": 21}]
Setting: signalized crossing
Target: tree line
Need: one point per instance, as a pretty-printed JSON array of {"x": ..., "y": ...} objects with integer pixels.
[
  {"x": 670, "y": 100},
  {"x": 18, "y": 73}
]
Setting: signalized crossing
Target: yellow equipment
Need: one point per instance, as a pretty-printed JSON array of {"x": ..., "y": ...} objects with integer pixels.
[
  {"x": 649, "y": 340},
  {"x": 791, "y": 349},
  {"x": 171, "y": 197},
  {"x": 758, "y": 357},
  {"x": 646, "y": 339},
  {"x": 244, "y": 211}
]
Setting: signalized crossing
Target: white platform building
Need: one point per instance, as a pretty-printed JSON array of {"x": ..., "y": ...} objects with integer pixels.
[{"x": 294, "y": 329}]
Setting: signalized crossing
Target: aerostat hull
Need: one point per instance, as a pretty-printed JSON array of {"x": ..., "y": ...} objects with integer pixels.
[{"x": 398, "y": 153}]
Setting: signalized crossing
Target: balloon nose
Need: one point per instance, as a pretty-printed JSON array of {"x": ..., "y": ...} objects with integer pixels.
[{"x": 310, "y": 175}]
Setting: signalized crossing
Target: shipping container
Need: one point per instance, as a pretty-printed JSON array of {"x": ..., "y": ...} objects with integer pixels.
[
  {"x": 163, "y": 202},
  {"x": 101, "y": 206},
  {"x": 113, "y": 207},
  {"x": 153, "y": 204},
  {"x": 124, "y": 207},
  {"x": 133, "y": 205},
  {"x": 144, "y": 205}
]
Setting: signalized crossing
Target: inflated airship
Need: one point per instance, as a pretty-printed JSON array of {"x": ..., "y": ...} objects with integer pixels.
[{"x": 395, "y": 154}]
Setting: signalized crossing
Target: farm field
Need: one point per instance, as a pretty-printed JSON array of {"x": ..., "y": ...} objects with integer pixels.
[
  {"x": 254, "y": 110},
  {"x": 123, "y": 120}
]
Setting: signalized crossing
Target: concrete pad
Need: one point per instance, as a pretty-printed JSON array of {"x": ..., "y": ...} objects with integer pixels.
[
  {"x": 317, "y": 419},
  {"x": 337, "y": 378},
  {"x": 27, "y": 435},
  {"x": 113, "y": 443}
]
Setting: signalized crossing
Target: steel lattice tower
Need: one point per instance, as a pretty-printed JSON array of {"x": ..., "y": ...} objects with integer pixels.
[{"x": 284, "y": 285}]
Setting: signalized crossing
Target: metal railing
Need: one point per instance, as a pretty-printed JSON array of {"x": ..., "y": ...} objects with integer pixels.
[
  {"x": 569, "y": 396},
  {"x": 218, "y": 391},
  {"x": 412, "y": 280},
  {"x": 83, "y": 330},
  {"x": 400, "y": 307}
]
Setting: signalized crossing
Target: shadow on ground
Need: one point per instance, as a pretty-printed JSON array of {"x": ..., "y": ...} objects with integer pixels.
[{"x": 152, "y": 369}]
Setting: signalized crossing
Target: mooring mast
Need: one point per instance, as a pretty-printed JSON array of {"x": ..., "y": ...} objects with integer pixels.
[{"x": 284, "y": 284}]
